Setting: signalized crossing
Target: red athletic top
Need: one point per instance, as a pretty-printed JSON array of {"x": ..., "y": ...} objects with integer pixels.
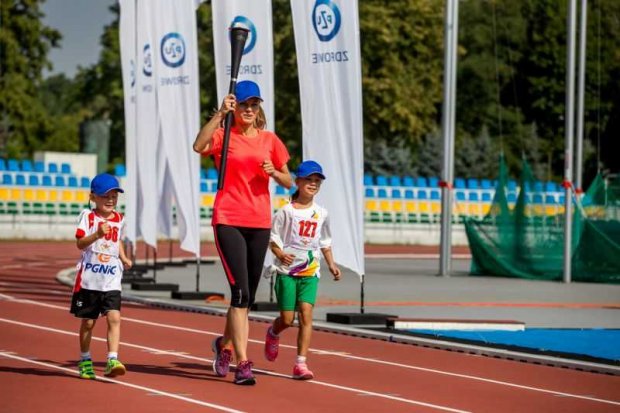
[{"x": 245, "y": 200}]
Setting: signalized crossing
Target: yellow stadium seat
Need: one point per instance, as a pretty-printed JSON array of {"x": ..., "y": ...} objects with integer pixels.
[
  {"x": 41, "y": 194},
  {"x": 474, "y": 209},
  {"x": 385, "y": 206},
  {"x": 397, "y": 206},
  {"x": 424, "y": 207},
  {"x": 16, "y": 195},
  {"x": 81, "y": 196},
  {"x": 486, "y": 207},
  {"x": 5, "y": 194},
  {"x": 67, "y": 196},
  {"x": 29, "y": 195},
  {"x": 411, "y": 206},
  {"x": 207, "y": 200},
  {"x": 435, "y": 207},
  {"x": 281, "y": 201},
  {"x": 53, "y": 195},
  {"x": 371, "y": 205}
]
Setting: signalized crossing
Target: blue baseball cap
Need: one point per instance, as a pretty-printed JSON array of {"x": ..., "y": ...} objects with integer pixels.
[
  {"x": 247, "y": 90},
  {"x": 104, "y": 183},
  {"x": 307, "y": 168}
]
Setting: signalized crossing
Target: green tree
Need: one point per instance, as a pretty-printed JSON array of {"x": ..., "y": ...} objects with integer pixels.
[{"x": 24, "y": 44}]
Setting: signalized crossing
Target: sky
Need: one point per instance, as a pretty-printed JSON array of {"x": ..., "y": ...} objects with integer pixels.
[{"x": 81, "y": 24}]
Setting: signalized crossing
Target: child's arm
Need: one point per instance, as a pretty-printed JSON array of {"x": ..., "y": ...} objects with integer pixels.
[
  {"x": 87, "y": 240},
  {"x": 329, "y": 258},
  {"x": 286, "y": 259},
  {"x": 121, "y": 254}
]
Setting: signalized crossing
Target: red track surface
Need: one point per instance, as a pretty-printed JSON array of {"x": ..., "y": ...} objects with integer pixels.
[{"x": 168, "y": 357}]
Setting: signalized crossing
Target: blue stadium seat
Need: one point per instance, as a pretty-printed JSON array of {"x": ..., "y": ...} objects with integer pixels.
[
  {"x": 421, "y": 182},
  {"x": 409, "y": 194},
  {"x": 473, "y": 196},
  {"x": 2, "y": 164},
  {"x": 52, "y": 167},
  {"x": 550, "y": 199},
  {"x": 486, "y": 184},
  {"x": 72, "y": 182},
  {"x": 204, "y": 187},
  {"x": 511, "y": 185},
  {"x": 551, "y": 187},
  {"x": 211, "y": 173},
  {"x": 20, "y": 179},
  {"x": 47, "y": 180},
  {"x": 33, "y": 180},
  {"x": 7, "y": 179},
  {"x": 562, "y": 199},
  {"x": 120, "y": 170},
  {"x": 511, "y": 197},
  {"x": 486, "y": 197},
  {"x": 214, "y": 186},
  {"x": 59, "y": 181},
  {"x": 459, "y": 183},
  {"x": 382, "y": 193},
  {"x": 395, "y": 180},
  {"x": 460, "y": 195},
  {"x": 408, "y": 181},
  {"x": 422, "y": 194},
  {"x": 203, "y": 173},
  {"x": 396, "y": 194},
  {"x": 537, "y": 198},
  {"x": 435, "y": 194},
  {"x": 13, "y": 165},
  {"x": 369, "y": 193},
  {"x": 538, "y": 186},
  {"x": 433, "y": 182},
  {"x": 280, "y": 190},
  {"x": 382, "y": 180},
  {"x": 26, "y": 165},
  {"x": 368, "y": 180},
  {"x": 85, "y": 182},
  {"x": 473, "y": 183},
  {"x": 39, "y": 166},
  {"x": 65, "y": 168}
]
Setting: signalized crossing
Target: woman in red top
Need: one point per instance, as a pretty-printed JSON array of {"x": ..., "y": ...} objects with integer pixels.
[{"x": 242, "y": 213}]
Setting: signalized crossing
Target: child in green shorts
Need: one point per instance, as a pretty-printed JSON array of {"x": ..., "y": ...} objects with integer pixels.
[{"x": 300, "y": 230}]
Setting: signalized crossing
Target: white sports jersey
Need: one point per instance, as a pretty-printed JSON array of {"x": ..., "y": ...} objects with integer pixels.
[
  {"x": 100, "y": 267},
  {"x": 301, "y": 232}
]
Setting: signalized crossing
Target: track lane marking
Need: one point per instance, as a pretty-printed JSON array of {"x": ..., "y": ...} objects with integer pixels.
[
  {"x": 365, "y": 359},
  {"x": 149, "y": 390},
  {"x": 155, "y": 351}
]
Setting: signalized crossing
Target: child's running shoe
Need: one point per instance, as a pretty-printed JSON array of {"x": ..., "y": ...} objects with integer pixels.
[
  {"x": 86, "y": 369},
  {"x": 272, "y": 344},
  {"x": 301, "y": 372},
  {"x": 223, "y": 356},
  {"x": 114, "y": 368},
  {"x": 243, "y": 374}
]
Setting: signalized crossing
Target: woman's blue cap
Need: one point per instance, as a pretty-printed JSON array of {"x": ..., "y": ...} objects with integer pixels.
[
  {"x": 247, "y": 90},
  {"x": 307, "y": 168},
  {"x": 104, "y": 183}
]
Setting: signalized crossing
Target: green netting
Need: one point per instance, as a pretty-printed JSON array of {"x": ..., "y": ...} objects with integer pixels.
[{"x": 525, "y": 238}]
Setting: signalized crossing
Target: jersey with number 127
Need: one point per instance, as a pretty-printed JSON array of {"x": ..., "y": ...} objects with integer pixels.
[{"x": 301, "y": 232}]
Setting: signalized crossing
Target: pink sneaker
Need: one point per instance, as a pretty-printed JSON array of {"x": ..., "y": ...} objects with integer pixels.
[
  {"x": 221, "y": 361},
  {"x": 272, "y": 344},
  {"x": 301, "y": 372}
]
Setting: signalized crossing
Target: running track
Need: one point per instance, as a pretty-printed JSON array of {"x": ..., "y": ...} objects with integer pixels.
[{"x": 168, "y": 357}]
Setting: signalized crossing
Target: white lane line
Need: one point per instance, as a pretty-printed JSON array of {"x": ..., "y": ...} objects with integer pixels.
[
  {"x": 150, "y": 391},
  {"x": 365, "y": 359},
  {"x": 270, "y": 373}
]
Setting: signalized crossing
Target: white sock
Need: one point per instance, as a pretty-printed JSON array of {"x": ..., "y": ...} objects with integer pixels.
[
  {"x": 112, "y": 355},
  {"x": 301, "y": 360},
  {"x": 85, "y": 355}
]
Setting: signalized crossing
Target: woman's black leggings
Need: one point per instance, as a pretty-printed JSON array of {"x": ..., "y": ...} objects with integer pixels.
[{"x": 242, "y": 251}]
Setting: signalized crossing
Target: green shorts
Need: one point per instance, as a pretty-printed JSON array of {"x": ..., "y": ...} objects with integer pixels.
[{"x": 292, "y": 290}]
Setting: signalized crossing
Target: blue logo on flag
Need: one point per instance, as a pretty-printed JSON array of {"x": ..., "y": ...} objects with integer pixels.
[
  {"x": 147, "y": 60},
  {"x": 248, "y": 24},
  {"x": 173, "y": 50},
  {"x": 326, "y": 19}
]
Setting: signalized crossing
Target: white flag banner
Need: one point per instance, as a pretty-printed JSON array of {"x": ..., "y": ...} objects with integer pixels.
[
  {"x": 127, "y": 34},
  {"x": 327, "y": 42},
  {"x": 147, "y": 124},
  {"x": 257, "y": 59},
  {"x": 176, "y": 74}
]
